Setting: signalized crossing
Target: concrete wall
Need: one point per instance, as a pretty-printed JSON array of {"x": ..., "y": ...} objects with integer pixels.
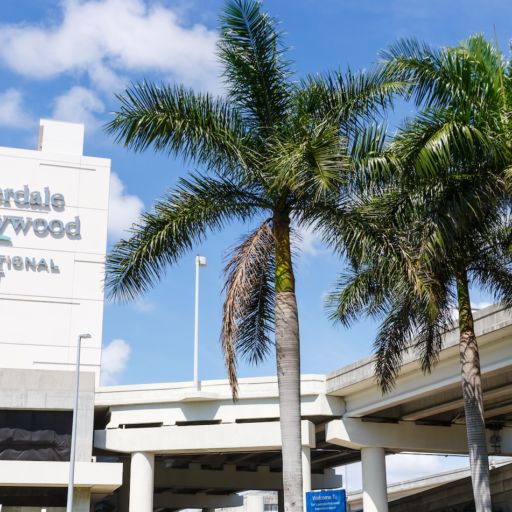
[
  {"x": 54, "y": 391},
  {"x": 46, "y": 307},
  {"x": 53, "y": 233}
]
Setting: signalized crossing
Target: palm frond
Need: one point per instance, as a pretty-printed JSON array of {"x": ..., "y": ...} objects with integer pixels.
[
  {"x": 374, "y": 166},
  {"x": 468, "y": 76},
  {"x": 178, "y": 121},
  {"x": 179, "y": 221},
  {"x": 255, "y": 71},
  {"x": 437, "y": 141},
  {"x": 392, "y": 341},
  {"x": 312, "y": 163},
  {"x": 492, "y": 272},
  {"x": 357, "y": 293},
  {"x": 421, "y": 66},
  {"x": 412, "y": 323},
  {"x": 348, "y": 99},
  {"x": 248, "y": 312}
]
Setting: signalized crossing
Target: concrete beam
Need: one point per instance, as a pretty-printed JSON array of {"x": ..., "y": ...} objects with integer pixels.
[
  {"x": 491, "y": 324},
  {"x": 171, "y": 410},
  {"x": 363, "y": 397},
  {"x": 98, "y": 476},
  {"x": 229, "y": 477},
  {"x": 179, "y": 501},
  {"x": 229, "y": 437},
  {"x": 407, "y": 436},
  {"x": 491, "y": 394},
  {"x": 498, "y": 411}
]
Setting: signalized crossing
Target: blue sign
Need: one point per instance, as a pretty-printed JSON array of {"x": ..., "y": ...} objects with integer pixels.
[{"x": 333, "y": 500}]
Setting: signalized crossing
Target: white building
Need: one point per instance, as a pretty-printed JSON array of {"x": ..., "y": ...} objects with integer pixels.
[
  {"x": 168, "y": 446},
  {"x": 53, "y": 219}
]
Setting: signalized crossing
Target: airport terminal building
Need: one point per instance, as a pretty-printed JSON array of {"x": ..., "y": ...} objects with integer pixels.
[{"x": 162, "y": 447}]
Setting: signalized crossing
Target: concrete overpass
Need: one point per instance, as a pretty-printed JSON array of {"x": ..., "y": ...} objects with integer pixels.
[{"x": 179, "y": 445}]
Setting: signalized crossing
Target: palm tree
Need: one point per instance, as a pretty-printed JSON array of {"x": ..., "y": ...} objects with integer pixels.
[
  {"x": 272, "y": 151},
  {"x": 436, "y": 220}
]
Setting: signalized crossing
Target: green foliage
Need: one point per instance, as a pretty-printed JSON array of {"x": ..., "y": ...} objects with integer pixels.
[
  {"x": 274, "y": 148},
  {"x": 180, "y": 122},
  {"x": 432, "y": 206},
  {"x": 180, "y": 220},
  {"x": 255, "y": 71}
]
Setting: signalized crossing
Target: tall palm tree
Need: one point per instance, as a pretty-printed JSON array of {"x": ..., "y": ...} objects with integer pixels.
[
  {"x": 271, "y": 152},
  {"x": 437, "y": 220}
]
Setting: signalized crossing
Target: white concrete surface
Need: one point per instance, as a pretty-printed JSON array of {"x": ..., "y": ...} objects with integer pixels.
[
  {"x": 142, "y": 482},
  {"x": 229, "y": 437},
  {"x": 404, "y": 436},
  {"x": 254, "y": 503},
  {"x": 81, "y": 499},
  {"x": 408, "y": 437},
  {"x": 356, "y": 382},
  {"x": 45, "y": 306},
  {"x": 53, "y": 232},
  {"x": 52, "y": 390},
  {"x": 373, "y": 461},
  {"x": 61, "y": 137},
  {"x": 169, "y": 403},
  {"x": 306, "y": 469},
  {"x": 99, "y": 477},
  {"x": 402, "y": 489}
]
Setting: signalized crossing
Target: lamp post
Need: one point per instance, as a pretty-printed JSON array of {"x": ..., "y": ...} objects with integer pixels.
[
  {"x": 71, "y": 481},
  {"x": 200, "y": 262}
]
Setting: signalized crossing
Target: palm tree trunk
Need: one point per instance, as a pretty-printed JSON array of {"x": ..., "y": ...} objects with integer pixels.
[
  {"x": 473, "y": 400},
  {"x": 288, "y": 366}
]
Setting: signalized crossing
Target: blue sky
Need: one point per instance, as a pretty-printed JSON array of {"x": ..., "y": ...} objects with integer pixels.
[{"x": 66, "y": 59}]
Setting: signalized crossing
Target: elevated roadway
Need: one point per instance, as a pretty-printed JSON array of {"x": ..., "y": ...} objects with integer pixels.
[{"x": 176, "y": 441}]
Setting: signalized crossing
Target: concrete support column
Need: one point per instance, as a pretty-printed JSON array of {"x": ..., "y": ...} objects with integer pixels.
[
  {"x": 306, "y": 468},
  {"x": 375, "y": 497},
  {"x": 142, "y": 482},
  {"x": 254, "y": 503},
  {"x": 81, "y": 500}
]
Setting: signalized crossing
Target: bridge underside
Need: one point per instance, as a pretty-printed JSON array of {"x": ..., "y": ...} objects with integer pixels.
[
  {"x": 196, "y": 448},
  {"x": 211, "y": 479},
  {"x": 445, "y": 406}
]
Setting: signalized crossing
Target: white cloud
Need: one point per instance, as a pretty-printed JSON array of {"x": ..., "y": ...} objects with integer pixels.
[
  {"x": 124, "y": 209},
  {"x": 307, "y": 240},
  {"x": 114, "y": 359},
  {"x": 107, "y": 38},
  {"x": 79, "y": 105},
  {"x": 144, "y": 306},
  {"x": 12, "y": 112}
]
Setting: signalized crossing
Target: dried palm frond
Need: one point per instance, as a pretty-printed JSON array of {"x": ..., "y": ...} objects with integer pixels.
[{"x": 248, "y": 313}]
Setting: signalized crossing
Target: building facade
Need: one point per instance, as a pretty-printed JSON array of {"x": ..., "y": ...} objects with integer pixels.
[{"x": 53, "y": 230}]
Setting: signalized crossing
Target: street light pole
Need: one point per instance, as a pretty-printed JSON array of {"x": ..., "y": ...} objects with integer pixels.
[
  {"x": 200, "y": 262},
  {"x": 71, "y": 481}
]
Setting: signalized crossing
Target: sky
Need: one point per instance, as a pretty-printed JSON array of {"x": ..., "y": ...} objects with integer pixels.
[{"x": 67, "y": 59}]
